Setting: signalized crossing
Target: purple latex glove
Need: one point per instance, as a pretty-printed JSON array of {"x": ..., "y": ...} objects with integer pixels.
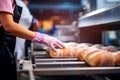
[{"x": 48, "y": 40}]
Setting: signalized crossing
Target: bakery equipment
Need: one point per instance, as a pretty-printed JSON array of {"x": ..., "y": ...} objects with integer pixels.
[{"x": 40, "y": 64}]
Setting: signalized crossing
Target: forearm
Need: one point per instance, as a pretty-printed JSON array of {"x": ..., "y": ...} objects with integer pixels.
[
  {"x": 20, "y": 31},
  {"x": 14, "y": 28}
]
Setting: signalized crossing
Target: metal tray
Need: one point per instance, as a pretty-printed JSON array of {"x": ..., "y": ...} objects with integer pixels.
[
  {"x": 76, "y": 71},
  {"x": 46, "y": 66}
]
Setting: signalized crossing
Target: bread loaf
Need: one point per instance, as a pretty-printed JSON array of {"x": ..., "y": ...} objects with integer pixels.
[
  {"x": 90, "y": 51},
  {"x": 99, "y": 46},
  {"x": 81, "y": 45},
  {"x": 110, "y": 48},
  {"x": 94, "y": 55},
  {"x": 70, "y": 44},
  {"x": 117, "y": 57},
  {"x": 81, "y": 52},
  {"x": 97, "y": 57},
  {"x": 71, "y": 52},
  {"x": 106, "y": 48},
  {"x": 58, "y": 53}
]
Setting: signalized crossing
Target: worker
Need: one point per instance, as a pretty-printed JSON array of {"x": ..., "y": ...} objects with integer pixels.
[
  {"x": 53, "y": 30},
  {"x": 42, "y": 30},
  {"x": 9, "y": 16}
]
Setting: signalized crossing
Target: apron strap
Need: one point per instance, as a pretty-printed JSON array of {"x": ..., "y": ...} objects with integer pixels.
[{"x": 17, "y": 12}]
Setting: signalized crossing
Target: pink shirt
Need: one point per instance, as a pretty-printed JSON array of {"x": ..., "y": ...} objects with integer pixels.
[{"x": 7, "y": 6}]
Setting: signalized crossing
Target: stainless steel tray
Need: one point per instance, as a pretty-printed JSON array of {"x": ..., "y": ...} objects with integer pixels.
[
  {"x": 76, "y": 71},
  {"x": 46, "y": 66}
]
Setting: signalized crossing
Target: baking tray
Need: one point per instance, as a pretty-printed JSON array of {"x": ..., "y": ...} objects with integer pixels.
[
  {"x": 46, "y": 66},
  {"x": 75, "y": 71}
]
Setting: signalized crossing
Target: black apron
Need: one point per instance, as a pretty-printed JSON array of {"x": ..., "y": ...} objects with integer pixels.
[
  {"x": 28, "y": 42},
  {"x": 7, "y": 45}
]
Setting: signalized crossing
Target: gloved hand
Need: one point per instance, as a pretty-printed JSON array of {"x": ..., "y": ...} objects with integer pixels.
[{"x": 48, "y": 40}]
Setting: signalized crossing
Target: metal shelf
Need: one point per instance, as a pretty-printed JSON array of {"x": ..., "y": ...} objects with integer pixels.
[
  {"x": 102, "y": 16},
  {"x": 67, "y": 67},
  {"x": 76, "y": 71}
]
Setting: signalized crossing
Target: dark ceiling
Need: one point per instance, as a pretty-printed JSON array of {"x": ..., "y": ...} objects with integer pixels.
[{"x": 67, "y": 9}]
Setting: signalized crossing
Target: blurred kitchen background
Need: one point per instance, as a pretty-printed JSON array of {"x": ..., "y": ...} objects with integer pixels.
[{"x": 64, "y": 14}]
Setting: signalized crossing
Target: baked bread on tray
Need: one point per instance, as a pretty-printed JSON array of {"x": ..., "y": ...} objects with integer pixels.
[{"x": 94, "y": 55}]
